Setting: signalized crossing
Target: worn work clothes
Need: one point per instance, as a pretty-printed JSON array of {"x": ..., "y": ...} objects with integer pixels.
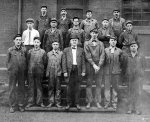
[
  {"x": 112, "y": 71},
  {"x": 16, "y": 64},
  {"x": 73, "y": 87},
  {"x": 76, "y": 32},
  {"x": 87, "y": 26},
  {"x": 28, "y": 36},
  {"x": 94, "y": 55},
  {"x": 36, "y": 66},
  {"x": 135, "y": 67},
  {"x": 42, "y": 24},
  {"x": 64, "y": 25},
  {"x": 104, "y": 35},
  {"x": 54, "y": 72},
  {"x": 117, "y": 25},
  {"x": 50, "y": 37},
  {"x": 126, "y": 38}
]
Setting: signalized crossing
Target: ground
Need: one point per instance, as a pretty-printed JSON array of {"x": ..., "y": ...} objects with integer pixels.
[
  {"x": 42, "y": 116},
  {"x": 46, "y": 115}
]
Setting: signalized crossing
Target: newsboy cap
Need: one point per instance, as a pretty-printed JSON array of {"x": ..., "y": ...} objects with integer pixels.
[{"x": 30, "y": 20}]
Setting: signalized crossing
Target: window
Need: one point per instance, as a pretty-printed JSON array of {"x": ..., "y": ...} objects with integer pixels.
[{"x": 137, "y": 10}]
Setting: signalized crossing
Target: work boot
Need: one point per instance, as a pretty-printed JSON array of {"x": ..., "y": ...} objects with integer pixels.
[
  {"x": 67, "y": 107},
  {"x": 78, "y": 107},
  {"x": 98, "y": 106},
  {"x": 88, "y": 106},
  {"x": 11, "y": 110},
  {"x": 21, "y": 109},
  {"x": 50, "y": 105},
  {"x": 58, "y": 106}
]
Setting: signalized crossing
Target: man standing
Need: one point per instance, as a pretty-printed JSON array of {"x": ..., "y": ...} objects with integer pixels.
[
  {"x": 43, "y": 23},
  {"x": 88, "y": 24},
  {"x": 76, "y": 31},
  {"x": 105, "y": 32},
  {"x": 17, "y": 65},
  {"x": 128, "y": 36},
  {"x": 73, "y": 65},
  {"x": 94, "y": 52},
  {"x": 117, "y": 24},
  {"x": 51, "y": 35},
  {"x": 64, "y": 24},
  {"x": 29, "y": 34}
]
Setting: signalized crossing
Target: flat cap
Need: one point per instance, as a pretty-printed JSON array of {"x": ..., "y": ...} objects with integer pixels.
[
  {"x": 30, "y": 20},
  {"x": 94, "y": 30},
  {"x": 129, "y": 22},
  {"x": 53, "y": 20}
]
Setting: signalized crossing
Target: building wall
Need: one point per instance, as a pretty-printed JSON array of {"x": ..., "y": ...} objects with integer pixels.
[
  {"x": 31, "y": 8},
  {"x": 103, "y": 8}
]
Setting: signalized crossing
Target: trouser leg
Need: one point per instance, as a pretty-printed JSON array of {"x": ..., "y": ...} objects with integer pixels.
[
  {"x": 98, "y": 80},
  {"x": 38, "y": 81},
  {"x": 51, "y": 89},
  {"x": 31, "y": 88},
  {"x": 12, "y": 89},
  {"x": 21, "y": 88},
  {"x": 58, "y": 91}
]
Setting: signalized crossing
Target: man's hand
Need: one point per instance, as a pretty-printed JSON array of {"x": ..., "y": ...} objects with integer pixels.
[
  {"x": 65, "y": 74},
  {"x": 83, "y": 74},
  {"x": 96, "y": 68}
]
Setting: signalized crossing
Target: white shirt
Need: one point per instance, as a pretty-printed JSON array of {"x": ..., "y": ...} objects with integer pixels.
[
  {"x": 74, "y": 55},
  {"x": 28, "y": 38}
]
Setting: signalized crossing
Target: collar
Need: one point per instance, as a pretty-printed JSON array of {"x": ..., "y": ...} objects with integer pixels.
[
  {"x": 43, "y": 16},
  {"x": 104, "y": 28},
  {"x": 36, "y": 49},
  {"x": 55, "y": 51},
  {"x": 130, "y": 55},
  {"x": 95, "y": 40},
  {"x": 118, "y": 19},
  {"x": 54, "y": 29},
  {"x": 30, "y": 30},
  {"x": 76, "y": 28},
  {"x": 129, "y": 31},
  {"x": 17, "y": 48},
  {"x": 73, "y": 47},
  {"x": 63, "y": 17},
  {"x": 111, "y": 48},
  {"x": 89, "y": 20}
]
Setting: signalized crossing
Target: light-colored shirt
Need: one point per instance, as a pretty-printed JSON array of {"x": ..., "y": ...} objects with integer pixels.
[
  {"x": 74, "y": 53},
  {"x": 28, "y": 36}
]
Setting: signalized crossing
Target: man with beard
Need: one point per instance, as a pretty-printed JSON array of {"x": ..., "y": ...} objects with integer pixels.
[
  {"x": 64, "y": 24},
  {"x": 43, "y": 23}
]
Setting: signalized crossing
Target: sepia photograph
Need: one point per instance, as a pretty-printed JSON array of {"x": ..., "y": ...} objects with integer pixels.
[{"x": 75, "y": 61}]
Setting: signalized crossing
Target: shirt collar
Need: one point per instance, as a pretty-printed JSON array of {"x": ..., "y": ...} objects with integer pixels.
[
  {"x": 111, "y": 48},
  {"x": 88, "y": 20},
  {"x": 17, "y": 48},
  {"x": 72, "y": 47}
]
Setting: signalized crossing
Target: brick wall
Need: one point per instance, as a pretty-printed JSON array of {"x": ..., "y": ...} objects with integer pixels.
[
  {"x": 103, "y": 8},
  {"x": 31, "y": 8}
]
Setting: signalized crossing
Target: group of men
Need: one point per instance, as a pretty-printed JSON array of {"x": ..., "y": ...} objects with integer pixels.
[{"x": 74, "y": 50}]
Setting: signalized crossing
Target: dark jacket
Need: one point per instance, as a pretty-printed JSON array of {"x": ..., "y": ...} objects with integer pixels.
[
  {"x": 113, "y": 61},
  {"x": 94, "y": 54},
  {"x": 67, "y": 61},
  {"x": 50, "y": 37},
  {"x": 16, "y": 59},
  {"x": 43, "y": 23}
]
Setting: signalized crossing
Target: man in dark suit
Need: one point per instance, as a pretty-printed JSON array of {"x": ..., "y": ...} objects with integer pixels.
[{"x": 73, "y": 65}]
